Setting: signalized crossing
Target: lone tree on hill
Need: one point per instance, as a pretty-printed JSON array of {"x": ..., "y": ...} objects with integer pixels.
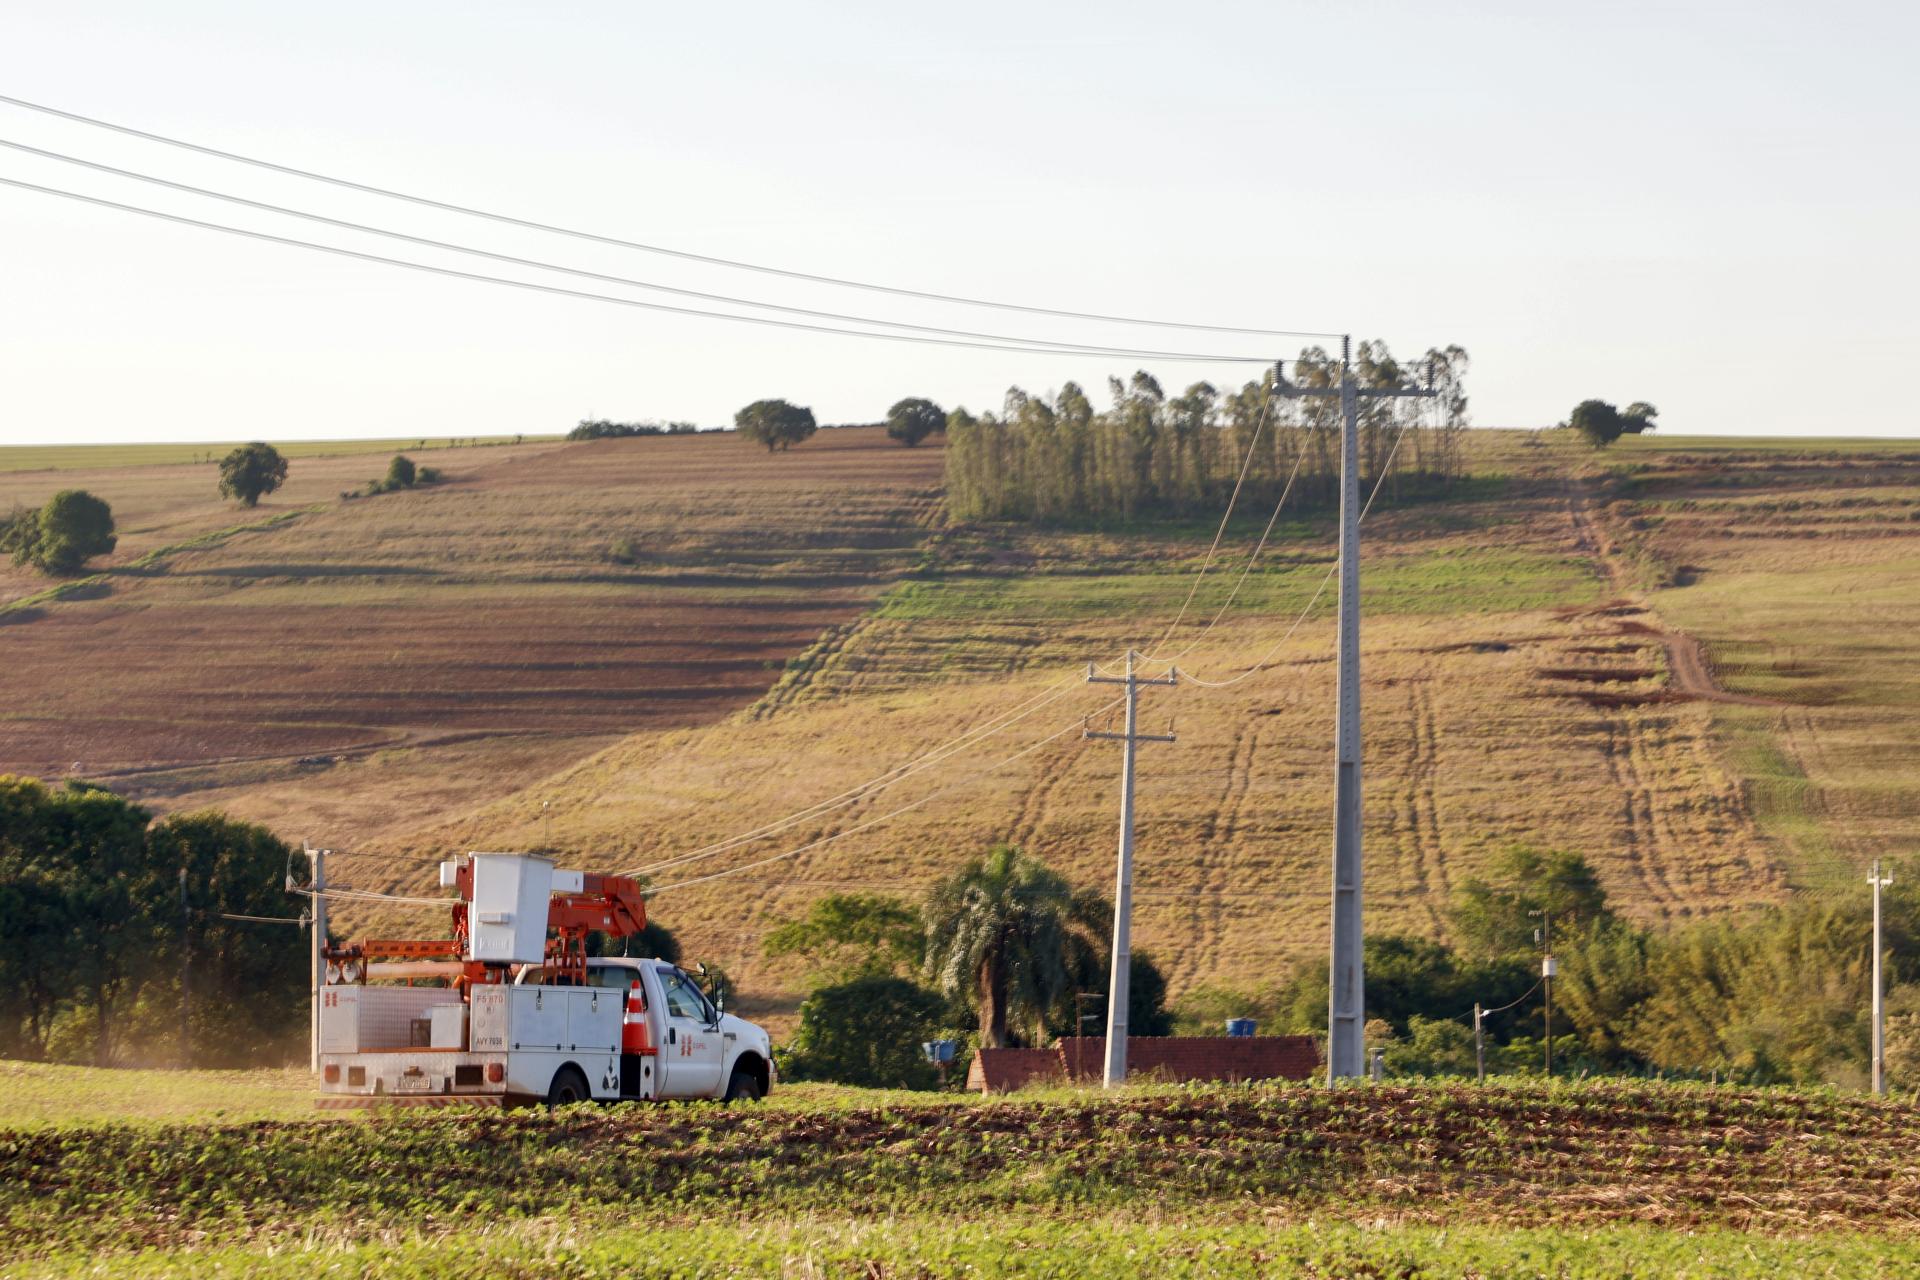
[
  {"x": 251, "y": 472},
  {"x": 401, "y": 473},
  {"x": 775, "y": 423},
  {"x": 1602, "y": 424},
  {"x": 71, "y": 529},
  {"x": 912, "y": 420},
  {"x": 1008, "y": 935}
]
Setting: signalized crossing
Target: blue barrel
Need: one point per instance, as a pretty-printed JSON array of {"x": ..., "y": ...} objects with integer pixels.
[
  {"x": 939, "y": 1050},
  {"x": 1240, "y": 1026}
]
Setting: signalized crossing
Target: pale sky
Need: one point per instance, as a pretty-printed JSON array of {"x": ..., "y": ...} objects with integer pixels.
[{"x": 1712, "y": 207}]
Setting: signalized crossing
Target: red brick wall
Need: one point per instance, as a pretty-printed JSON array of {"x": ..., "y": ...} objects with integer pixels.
[{"x": 1197, "y": 1057}]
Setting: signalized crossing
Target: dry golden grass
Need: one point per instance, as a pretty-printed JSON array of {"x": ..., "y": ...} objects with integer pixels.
[{"x": 1509, "y": 698}]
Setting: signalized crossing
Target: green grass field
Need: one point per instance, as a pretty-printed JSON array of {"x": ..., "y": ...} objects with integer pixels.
[
  {"x": 87, "y": 457},
  {"x": 1509, "y": 1179}
]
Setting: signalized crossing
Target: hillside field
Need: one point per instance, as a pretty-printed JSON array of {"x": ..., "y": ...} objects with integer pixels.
[{"x": 1690, "y": 660}]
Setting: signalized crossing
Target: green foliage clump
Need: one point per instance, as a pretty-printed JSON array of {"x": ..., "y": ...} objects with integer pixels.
[
  {"x": 868, "y": 1032},
  {"x": 402, "y": 473},
  {"x": 58, "y": 538},
  {"x": 602, "y": 429},
  {"x": 91, "y": 929},
  {"x": 775, "y": 424},
  {"x": 1602, "y": 424},
  {"x": 912, "y": 420},
  {"x": 1013, "y": 939},
  {"x": 848, "y": 936},
  {"x": 251, "y": 472}
]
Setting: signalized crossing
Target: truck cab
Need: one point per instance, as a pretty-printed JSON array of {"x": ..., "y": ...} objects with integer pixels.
[{"x": 696, "y": 1049}]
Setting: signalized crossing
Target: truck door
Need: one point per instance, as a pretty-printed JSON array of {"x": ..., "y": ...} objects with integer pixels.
[{"x": 692, "y": 1049}]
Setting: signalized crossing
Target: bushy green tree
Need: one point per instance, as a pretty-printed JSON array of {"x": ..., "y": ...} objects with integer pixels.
[
  {"x": 912, "y": 420},
  {"x": 401, "y": 472},
  {"x": 868, "y": 1032},
  {"x": 71, "y": 529},
  {"x": 1499, "y": 917},
  {"x": 92, "y": 927},
  {"x": 1598, "y": 421},
  {"x": 1009, "y": 935},
  {"x": 251, "y": 472},
  {"x": 249, "y": 977},
  {"x": 846, "y": 936},
  {"x": 1638, "y": 417},
  {"x": 1432, "y": 1047},
  {"x": 775, "y": 424}
]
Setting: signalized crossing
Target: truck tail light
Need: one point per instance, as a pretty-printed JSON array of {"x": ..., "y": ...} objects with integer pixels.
[
  {"x": 496, "y": 1072},
  {"x": 331, "y": 1073}
]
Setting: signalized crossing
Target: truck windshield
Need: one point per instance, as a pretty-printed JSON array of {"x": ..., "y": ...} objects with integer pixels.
[{"x": 683, "y": 998}]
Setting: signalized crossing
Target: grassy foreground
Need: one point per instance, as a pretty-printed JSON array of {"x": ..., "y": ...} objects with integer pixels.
[
  {"x": 1443, "y": 1180},
  {"x": 1010, "y": 1245}
]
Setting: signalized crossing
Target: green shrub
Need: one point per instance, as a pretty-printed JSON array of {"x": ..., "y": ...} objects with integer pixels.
[{"x": 71, "y": 529}]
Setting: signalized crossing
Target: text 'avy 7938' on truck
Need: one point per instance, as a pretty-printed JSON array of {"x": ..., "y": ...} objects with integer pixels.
[{"x": 518, "y": 1012}]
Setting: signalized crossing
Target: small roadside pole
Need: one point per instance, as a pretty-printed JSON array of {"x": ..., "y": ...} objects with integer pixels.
[
  {"x": 1081, "y": 1016},
  {"x": 1479, "y": 1045},
  {"x": 1547, "y": 970},
  {"x": 1116, "y": 1065},
  {"x": 186, "y": 973},
  {"x": 1879, "y": 882}
]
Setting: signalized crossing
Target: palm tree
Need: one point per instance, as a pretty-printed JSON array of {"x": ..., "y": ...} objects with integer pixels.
[{"x": 1009, "y": 935}]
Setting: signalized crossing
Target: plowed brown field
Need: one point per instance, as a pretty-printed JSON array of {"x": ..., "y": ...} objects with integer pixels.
[{"x": 383, "y": 656}]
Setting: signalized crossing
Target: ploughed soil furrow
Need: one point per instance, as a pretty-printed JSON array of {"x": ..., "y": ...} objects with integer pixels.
[{"x": 1597, "y": 1153}]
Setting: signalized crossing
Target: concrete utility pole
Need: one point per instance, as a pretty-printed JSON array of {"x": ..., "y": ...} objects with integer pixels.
[
  {"x": 1879, "y": 882},
  {"x": 186, "y": 974},
  {"x": 317, "y": 864},
  {"x": 1346, "y": 1001},
  {"x": 1548, "y": 967},
  {"x": 1479, "y": 1045},
  {"x": 1116, "y": 1068}
]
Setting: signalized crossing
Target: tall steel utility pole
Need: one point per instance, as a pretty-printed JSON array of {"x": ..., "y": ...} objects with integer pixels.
[
  {"x": 1879, "y": 987},
  {"x": 1346, "y": 1001},
  {"x": 1116, "y": 1067},
  {"x": 317, "y": 863}
]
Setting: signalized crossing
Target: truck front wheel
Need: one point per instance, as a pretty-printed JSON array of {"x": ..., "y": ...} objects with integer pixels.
[
  {"x": 743, "y": 1085},
  {"x": 568, "y": 1087}
]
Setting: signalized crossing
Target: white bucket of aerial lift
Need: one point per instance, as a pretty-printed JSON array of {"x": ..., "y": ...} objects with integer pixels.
[{"x": 507, "y": 915}]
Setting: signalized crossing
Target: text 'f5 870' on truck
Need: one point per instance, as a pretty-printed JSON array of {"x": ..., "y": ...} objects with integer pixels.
[{"x": 522, "y": 1014}]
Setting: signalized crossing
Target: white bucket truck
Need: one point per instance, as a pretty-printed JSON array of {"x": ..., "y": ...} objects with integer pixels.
[{"x": 519, "y": 1013}]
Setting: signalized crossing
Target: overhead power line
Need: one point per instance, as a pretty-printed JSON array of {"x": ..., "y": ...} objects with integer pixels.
[
  {"x": 609, "y": 298},
  {"x": 874, "y": 822},
  {"x": 538, "y": 264},
  {"x": 687, "y": 255}
]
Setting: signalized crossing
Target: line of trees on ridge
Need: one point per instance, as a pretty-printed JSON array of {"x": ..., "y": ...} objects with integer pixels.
[{"x": 1058, "y": 458}]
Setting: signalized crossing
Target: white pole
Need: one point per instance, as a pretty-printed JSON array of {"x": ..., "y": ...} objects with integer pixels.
[
  {"x": 1115, "y": 1071},
  {"x": 1120, "y": 971},
  {"x": 1346, "y": 1000},
  {"x": 1879, "y": 988},
  {"x": 317, "y": 862}
]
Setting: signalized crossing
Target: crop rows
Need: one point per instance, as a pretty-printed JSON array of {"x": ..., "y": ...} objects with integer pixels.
[{"x": 1677, "y": 1157}]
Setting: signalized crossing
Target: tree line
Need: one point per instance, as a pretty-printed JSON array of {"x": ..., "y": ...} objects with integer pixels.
[
  {"x": 1059, "y": 458},
  {"x": 102, "y": 910},
  {"x": 1777, "y": 994}
]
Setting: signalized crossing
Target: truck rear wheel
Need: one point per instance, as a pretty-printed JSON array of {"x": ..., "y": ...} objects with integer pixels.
[
  {"x": 568, "y": 1087},
  {"x": 743, "y": 1085}
]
